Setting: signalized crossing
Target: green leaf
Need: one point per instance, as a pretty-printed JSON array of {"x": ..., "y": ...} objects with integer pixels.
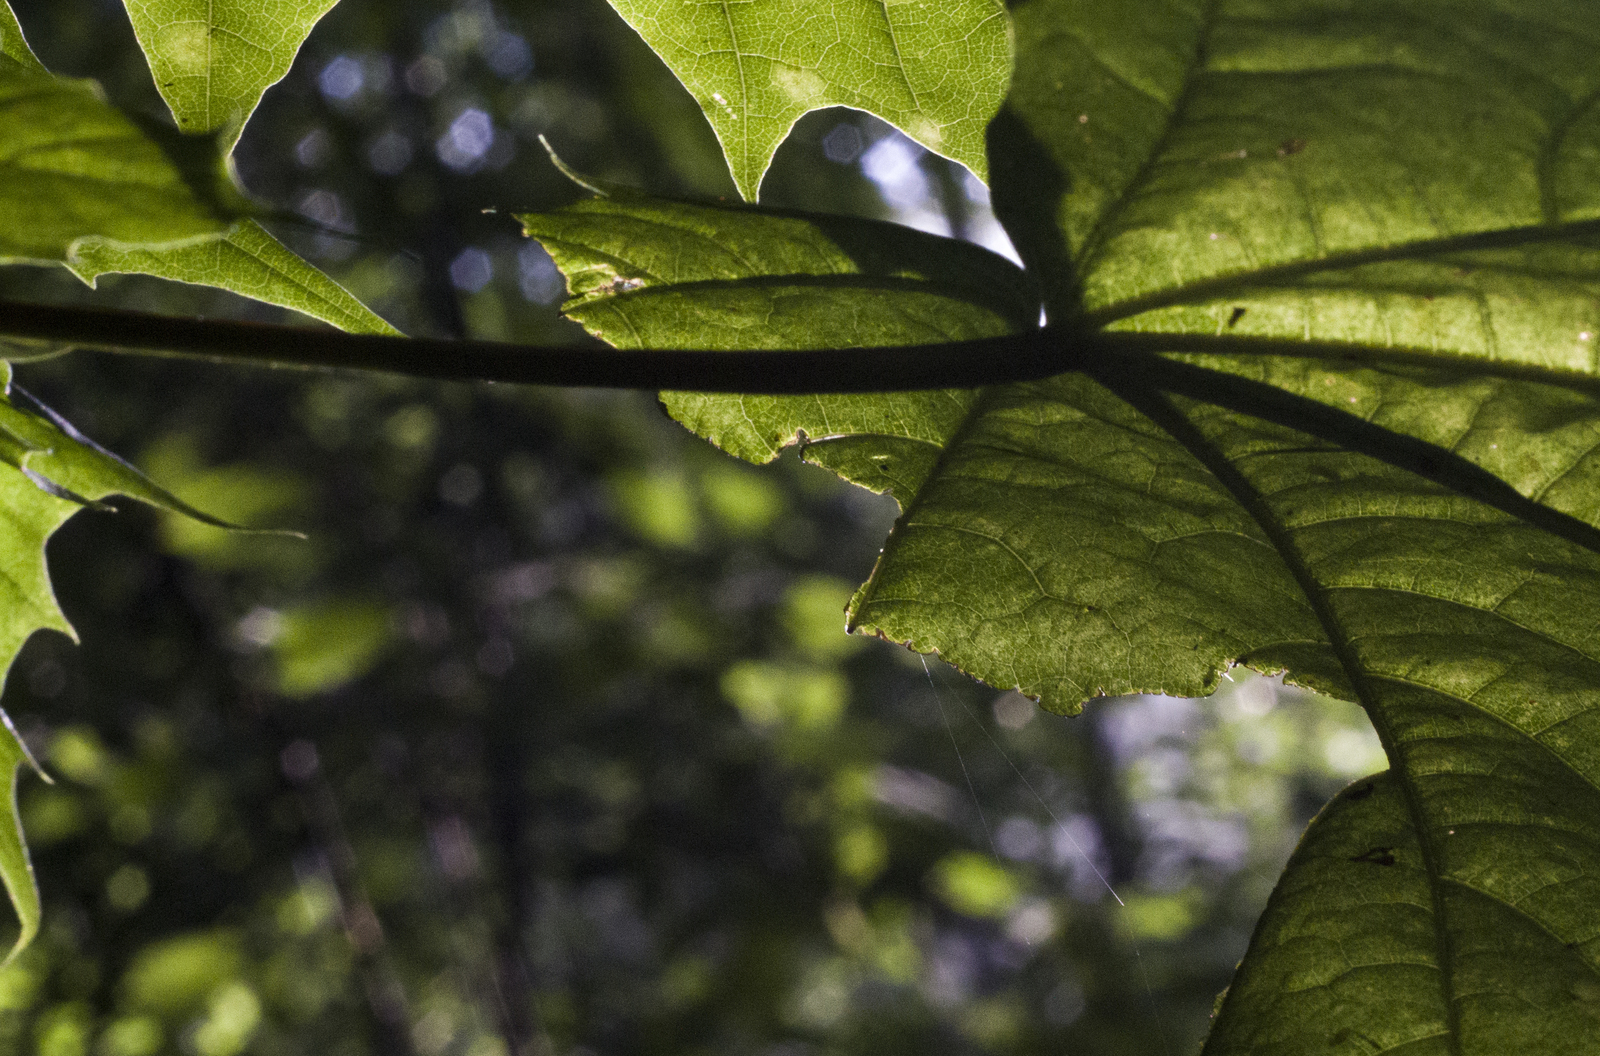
[
  {"x": 935, "y": 71},
  {"x": 33, "y": 511},
  {"x": 1363, "y": 928},
  {"x": 27, "y": 604},
  {"x": 654, "y": 274},
  {"x": 12, "y": 44},
  {"x": 55, "y": 472},
  {"x": 15, "y": 869},
  {"x": 213, "y": 59},
  {"x": 245, "y": 260},
  {"x": 72, "y": 165},
  {"x": 63, "y": 462},
  {"x": 82, "y": 184},
  {"x": 1415, "y": 177}
]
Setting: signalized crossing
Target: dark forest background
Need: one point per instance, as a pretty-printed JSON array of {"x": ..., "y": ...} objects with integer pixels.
[{"x": 548, "y": 739}]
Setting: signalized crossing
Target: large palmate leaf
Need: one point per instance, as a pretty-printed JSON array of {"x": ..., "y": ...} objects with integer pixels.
[
  {"x": 1419, "y": 179},
  {"x": 82, "y": 184},
  {"x": 937, "y": 71},
  {"x": 1361, "y": 951},
  {"x": 1419, "y": 174},
  {"x": 1332, "y": 280},
  {"x": 213, "y": 59}
]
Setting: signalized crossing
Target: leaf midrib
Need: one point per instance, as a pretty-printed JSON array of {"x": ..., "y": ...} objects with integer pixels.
[
  {"x": 1351, "y": 432},
  {"x": 1501, "y": 720},
  {"x": 1460, "y": 364},
  {"x": 744, "y": 91},
  {"x": 1419, "y": 250},
  {"x": 1167, "y": 416},
  {"x": 1549, "y": 207}
]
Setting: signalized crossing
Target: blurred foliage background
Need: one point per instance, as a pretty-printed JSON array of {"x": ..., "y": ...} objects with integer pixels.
[{"x": 547, "y": 739}]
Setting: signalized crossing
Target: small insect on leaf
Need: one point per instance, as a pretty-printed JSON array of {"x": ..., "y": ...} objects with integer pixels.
[{"x": 620, "y": 284}]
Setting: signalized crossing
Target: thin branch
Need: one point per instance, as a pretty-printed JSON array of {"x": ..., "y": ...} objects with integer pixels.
[
  {"x": 1133, "y": 358},
  {"x": 957, "y": 364},
  {"x": 1028, "y": 356}
]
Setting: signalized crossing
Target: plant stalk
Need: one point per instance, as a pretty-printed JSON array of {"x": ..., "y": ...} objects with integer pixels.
[{"x": 956, "y": 364}]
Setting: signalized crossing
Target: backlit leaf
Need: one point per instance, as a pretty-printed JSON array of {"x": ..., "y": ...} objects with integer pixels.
[
  {"x": 1340, "y": 423},
  {"x": 243, "y": 259},
  {"x": 72, "y": 165},
  {"x": 15, "y": 869},
  {"x": 12, "y": 44},
  {"x": 213, "y": 59},
  {"x": 1413, "y": 176},
  {"x": 1365, "y": 947},
  {"x": 53, "y": 472},
  {"x": 663, "y": 274},
  {"x": 937, "y": 71},
  {"x": 82, "y": 184}
]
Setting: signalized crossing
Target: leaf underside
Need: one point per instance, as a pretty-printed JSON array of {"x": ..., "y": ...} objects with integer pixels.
[
  {"x": 936, "y": 71},
  {"x": 1366, "y": 458},
  {"x": 1346, "y": 957},
  {"x": 54, "y": 472},
  {"x": 213, "y": 59},
  {"x": 84, "y": 186}
]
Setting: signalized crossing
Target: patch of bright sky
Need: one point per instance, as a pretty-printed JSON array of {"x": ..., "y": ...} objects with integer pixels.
[
  {"x": 537, "y": 275},
  {"x": 347, "y": 76},
  {"x": 896, "y": 166},
  {"x": 1189, "y": 810}
]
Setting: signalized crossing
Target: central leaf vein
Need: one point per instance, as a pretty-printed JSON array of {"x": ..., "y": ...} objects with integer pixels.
[{"x": 1165, "y": 414}]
